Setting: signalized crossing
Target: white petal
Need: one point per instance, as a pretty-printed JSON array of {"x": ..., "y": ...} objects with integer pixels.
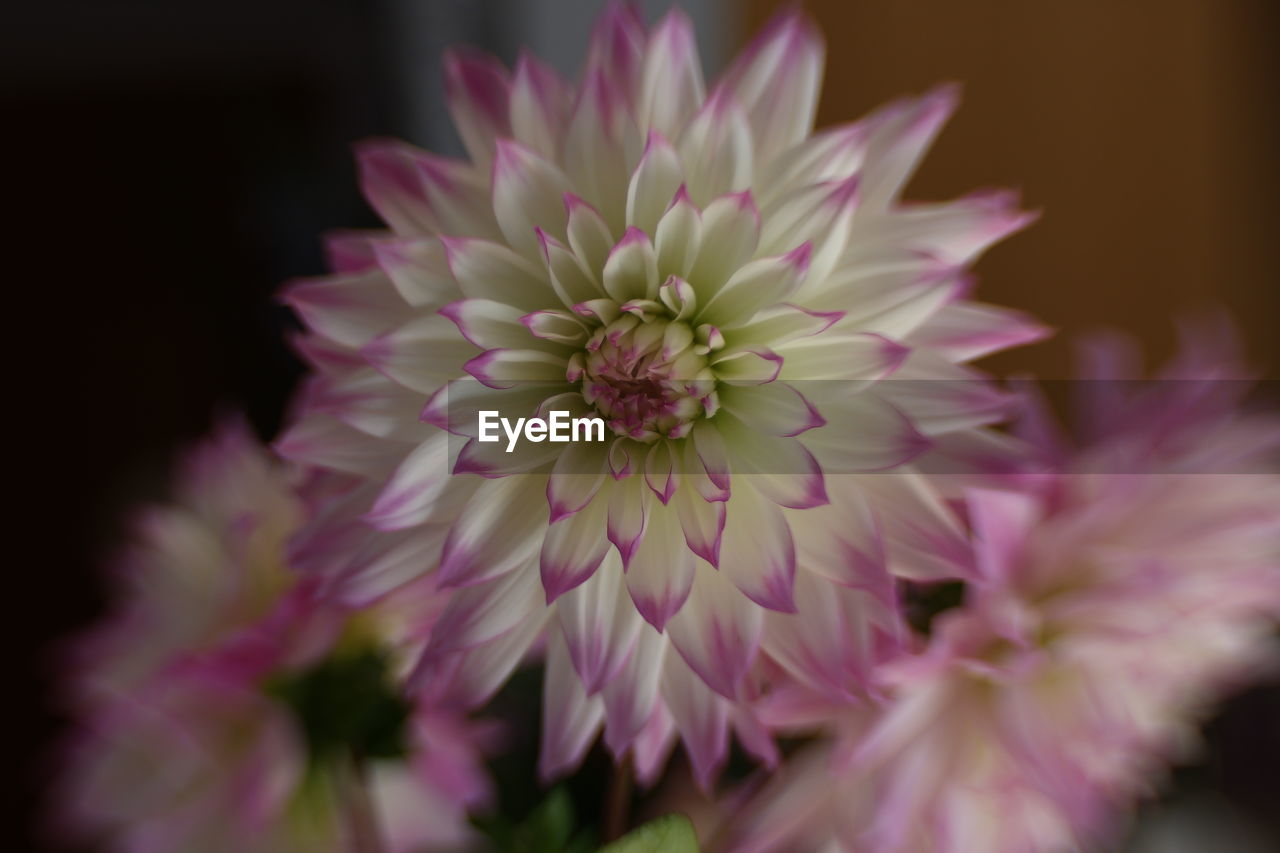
[
  {"x": 678, "y": 237},
  {"x": 730, "y": 234},
  {"x": 671, "y": 87},
  {"x": 419, "y": 270},
  {"x": 570, "y": 719},
  {"x": 349, "y": 309},
  {"x": 473, "y": 554},
  {"x": 660, "y": 573},
  {"x": 632, "y": 269},
  {"x": 486, "y": 270},
  {"x": 757, "y": 552},
  {"x": 717, "y": 632},
  {"x": 600, "y": 625},
  {"x": 422, "y": 354},
  {"x": 409, "y": 496},
  {"x": 477, "y": 88},
  {"x": 777, "y": 80},
  {"x": 540, "y": 101},
  {"x": 527, "y": 194},
  {"x": 716, "y": 150},
  {"x": 653, "y": 184}
]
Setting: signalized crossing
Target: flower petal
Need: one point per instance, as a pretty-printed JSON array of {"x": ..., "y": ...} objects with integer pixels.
[
  {"x": 527, "y": 191},
  {"x": 700, "y": 716},
  {"x": 540, "y": 101},
  {"x": 654, "y": 184},
  {"x": 716, "y": 149},
  {"x": 486, "y": 270},
  {"x": 777, "y": 80},
  {"x": 422, "y": 354},
  {"x": 600, "y": 625},
  {"x": 661, "y": 570},
  {"x": 409, "y": 496},
  {"x": 472, "y": 553},
  {"x": 717, "y": 632},
  {"x": 419, "y": 270},
  {"x": 570, "y": 718},
  {"x": 963, "y": 332},
  {"x": 758, "y": 284},
  {"x": 631, "y": 272},
  {"x": 758, "y": 552},
  {"x": 478, "y": 90},
  {"x": 678, "y": 237},
  {"x": 630, "y": 699},
  {"x": 573, "y": 549},
  {"x": 628, "y": 512},
  {"x": 730, "y": 234},
  {"x": 489, "y": 324},
  {"x": 671, "y": 87},
  {"x": 349, "y": 309},
  {"x": 702, "y": 522}
]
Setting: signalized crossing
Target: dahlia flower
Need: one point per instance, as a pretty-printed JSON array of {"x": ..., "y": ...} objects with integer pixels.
[
  {"x": 726, "y": 290},
  {"x": 1122, "y": 587},
  {"x": 212, "y": 706}
]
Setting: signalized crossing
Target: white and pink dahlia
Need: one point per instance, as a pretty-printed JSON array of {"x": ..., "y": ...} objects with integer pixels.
[
  {"x": 726, "y": 289},
  {"x": 218, "y": 708},
  {"x": 1123, "y": 586}
]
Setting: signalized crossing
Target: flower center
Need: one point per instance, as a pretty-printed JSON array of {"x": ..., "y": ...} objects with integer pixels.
[{"x": 646, "y": 375}]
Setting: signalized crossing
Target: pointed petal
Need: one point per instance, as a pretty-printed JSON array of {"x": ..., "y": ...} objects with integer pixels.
[
  {"x": 478, "y": 614},
  {"x": 902, "y": 135},
  {"x": 716, "y": 149},
  {"x": 527, "y": 193},
  {"x": 717, "y": 632},
  {"x": 570, "y": 718},
  {"x": 600, "y": 625},
  {"x": 419, "y": 270},
  {"x": 472, "y": 553},
  {"x": 489, "y": 324},
  {"x": 759, "y": 284},
  {"x": 671, "y": 87},
  {"x": 678, "y": 237},
  {"x": 654, "y": 184},
  {"x": 632, "y": 269},
  {"x": 965, "y": 331},
  {"x": 409, "y": 495},
  {"x": 864, "y": 433},
  {"x": 699, "y": 715},
  {"x": 349, "y": 309},
  {"x": 573, "y": 549},
  {"x": 422, "y": 354},
  {"x": 630, "y": 699},
  {"x": 757, "y": 552},
  {"x": 540, "y": 101},
  {"x": 628, "y": 509},
  {"x": 702, "y": 522},
  {"x": 661, "y": 571},
  {"x": 777, "y": 80},
  {"x": 730, "y": 234},
  {"x": 504, "y": 368},
  {"x": 486, "y": 270},
  {"x": 478, "y": 90}
]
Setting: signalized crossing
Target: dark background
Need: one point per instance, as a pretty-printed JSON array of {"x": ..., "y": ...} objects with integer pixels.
[{"x": 174, "y": 162}]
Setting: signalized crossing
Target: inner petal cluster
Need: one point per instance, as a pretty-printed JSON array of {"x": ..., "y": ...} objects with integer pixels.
[{"x": 646, "y": 374}]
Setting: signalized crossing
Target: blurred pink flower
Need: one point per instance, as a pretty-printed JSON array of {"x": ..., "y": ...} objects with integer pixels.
[
  {"x": 722, "y": 286},
  {"x": 1122, "y": 587},
  {"x": 185, "y": 740}
]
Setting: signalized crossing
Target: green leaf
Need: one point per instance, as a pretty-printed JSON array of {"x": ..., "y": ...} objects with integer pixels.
[{"x": 672, "y": 833}]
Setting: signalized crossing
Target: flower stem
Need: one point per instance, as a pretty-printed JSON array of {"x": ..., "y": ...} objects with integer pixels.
[
  {"x": 362, "y": 820},
  {"x": 617, "y": 801}
]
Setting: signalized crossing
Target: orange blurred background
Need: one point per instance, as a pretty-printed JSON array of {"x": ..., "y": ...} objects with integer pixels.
[{"x": 1146, "y": 131}]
